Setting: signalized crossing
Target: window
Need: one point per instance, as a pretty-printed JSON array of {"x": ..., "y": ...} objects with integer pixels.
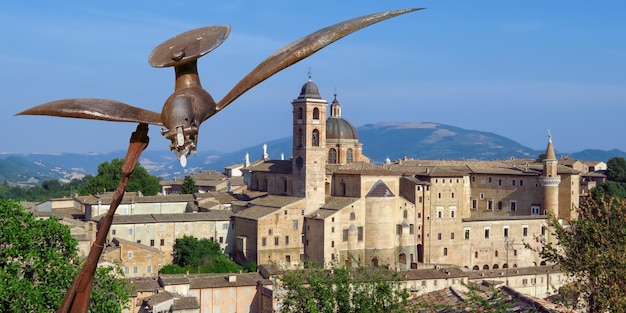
[
  {"x": 332, "y": 244},
  {"x": 113, "y": 232},
  {"x": 499, "y": 182},
  {"x": 489, "y": 205},
  {"x": 506, "y": 231},
  {"x": 316, "y": 114},
  {"x": 467, "y": 234},
  {"x": 221, "y": 239},
  {"x": 162, "y": 242},
  {"x": 452, "y": 213},
  {"x": 332, "y": 229},
  {"x": 149, "y": 269},
  {"x": 332, "y": 156},
  {"x": 439, "y": 195},
  {"x": 130, "y": 254},
  {"x": 445, "y": 251},
  {"x": 149, "y": 255},
  {"x": 535, "y": 209},
  {"x": 513, "y": 182},
  {"x": 489, "y": 179},
  {"x": 134, "y": 269},
  {"x": 482, "y": 196},
  {"x": 360, "y": 229},
  {"x": 513, "y": 205},
  {"x": 147, "y": 228},
  {"x": 405, "y": 214},
  {"x": 151, "y": 242},
  {"x": 452, "y": 195},
  {"x": 499, "y": 205},
  {"x": 264, "y": 241},
  {"x": 225, "y": 226},
  {"x": 286, "y": 240},
  {"x": 474, "y": 204},
  {"x": 543, "y": 230},
  {"x": 439, "y": 236},
  {"x": 486, "y": 233},
  {"x": 451, "y": 235},
  {"x": 315, "y": 140},
  {"x": 295, "y": 225},
  {"x": 345, "y": 235},
  {"x": 411, "y": 229},
  {"x": 476, "y": 255},
  {"x": 352, "y": 216},
  {"x": 349, "y": 156},
  {"x": 521, "y": 183},
  {"x": 496, "y": 253},
  {"x": 269, "y": 232},
  {"x": 525, "y": 231},
  {"x": 515, "y": 252},
  {"x": 439, "y": 214},
  {"x": 130, "y": 231}
]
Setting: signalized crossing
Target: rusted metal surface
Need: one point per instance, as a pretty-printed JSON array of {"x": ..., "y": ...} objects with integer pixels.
[
  {"x": 190, "y": 104},
  {"x": 77, "y": 297},
  {"x": 183, "y": 111}
]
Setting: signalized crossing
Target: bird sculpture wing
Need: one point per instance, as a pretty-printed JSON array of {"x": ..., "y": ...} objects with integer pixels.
[
  {"x": 300, "y": 49},
  {"x": 95, "y": 109}
]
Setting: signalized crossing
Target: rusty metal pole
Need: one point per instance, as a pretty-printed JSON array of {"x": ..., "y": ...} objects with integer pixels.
[{"x": 77, "y": 298}]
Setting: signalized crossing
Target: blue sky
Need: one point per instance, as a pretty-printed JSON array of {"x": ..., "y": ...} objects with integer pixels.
[{"x": 514, "y": 68}]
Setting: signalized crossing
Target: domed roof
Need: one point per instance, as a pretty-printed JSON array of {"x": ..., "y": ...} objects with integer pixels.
[
  {"x": 338, "y": 128},
  {"x": 309, "y": 90}
]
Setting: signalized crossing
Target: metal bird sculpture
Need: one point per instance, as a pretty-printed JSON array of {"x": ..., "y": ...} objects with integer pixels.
[{"x": 190, "y": 104}]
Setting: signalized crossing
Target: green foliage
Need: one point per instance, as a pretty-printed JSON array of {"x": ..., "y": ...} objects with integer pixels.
[
  {"x": 38, "y": 262},
  {"x": 110, "y": 174},
  {"x": 47, "y": 190},
  {"x": 616, "y": 169},
  {"x": 593, "y": 252},
  {"x": 343, "y": 290},
  {"x": 189, "y": 186},
  {"x": 200, "y": 256},
  {"x": 111, "y": 293}
]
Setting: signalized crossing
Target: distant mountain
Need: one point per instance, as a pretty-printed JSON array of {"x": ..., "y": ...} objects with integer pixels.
[{"x": 380, "y": 141}]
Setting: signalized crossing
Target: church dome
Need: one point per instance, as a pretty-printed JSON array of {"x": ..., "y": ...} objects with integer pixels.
[
  {"x": 336, "y": 127},
  {"x": 309, "y": 91},
  {"x": 340, "y": 129}
]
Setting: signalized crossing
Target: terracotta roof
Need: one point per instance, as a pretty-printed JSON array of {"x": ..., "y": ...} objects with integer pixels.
[
  {"x": 131, "y": 198},
  {"x": 439, "y": 168},
  {"x": 275, "y": 201},
  {"x": 256, "y": 212},
  {"x": 213, "y": 215},
  {"x": 186, "y": 303},
  {"x": 143, "y": 284},
  {"x": 272, "y": 166},
  {"x": 338, "y": 203},
  {"x": 360, "y": 168}
]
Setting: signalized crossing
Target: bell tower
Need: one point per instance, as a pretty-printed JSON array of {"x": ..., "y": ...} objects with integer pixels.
[{"x": 309, "y": 146}]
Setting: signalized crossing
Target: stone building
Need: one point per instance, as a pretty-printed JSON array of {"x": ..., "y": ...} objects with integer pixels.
[{"x": 474, "y": 214}]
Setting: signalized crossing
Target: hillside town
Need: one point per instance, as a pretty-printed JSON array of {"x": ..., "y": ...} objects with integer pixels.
[{"x": 440, "y": 224}]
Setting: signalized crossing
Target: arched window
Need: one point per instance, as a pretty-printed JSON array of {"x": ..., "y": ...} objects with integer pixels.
[
  {"x": 316, "y": 114},
  {"x": 300, "y": 114},
  {"x": 349, "y": 156},
  {"x": 352, "y": 216},
  {"x": 485, "y": 267},
  {"x": 315, "y": 138},
  {"x": 332, "y": 156}
]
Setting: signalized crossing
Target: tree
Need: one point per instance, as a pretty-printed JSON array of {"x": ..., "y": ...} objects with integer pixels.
[
  {"x": 189, "y": 185},
  {"x": 593, "y": 253},
  {"x": 109, "y": 175},
  {"x": 39, "y": 261},
  {"x": 616, "y": 169},
  {"x": 344, "y": 290},
  {"x": 200, "y": 255}
]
